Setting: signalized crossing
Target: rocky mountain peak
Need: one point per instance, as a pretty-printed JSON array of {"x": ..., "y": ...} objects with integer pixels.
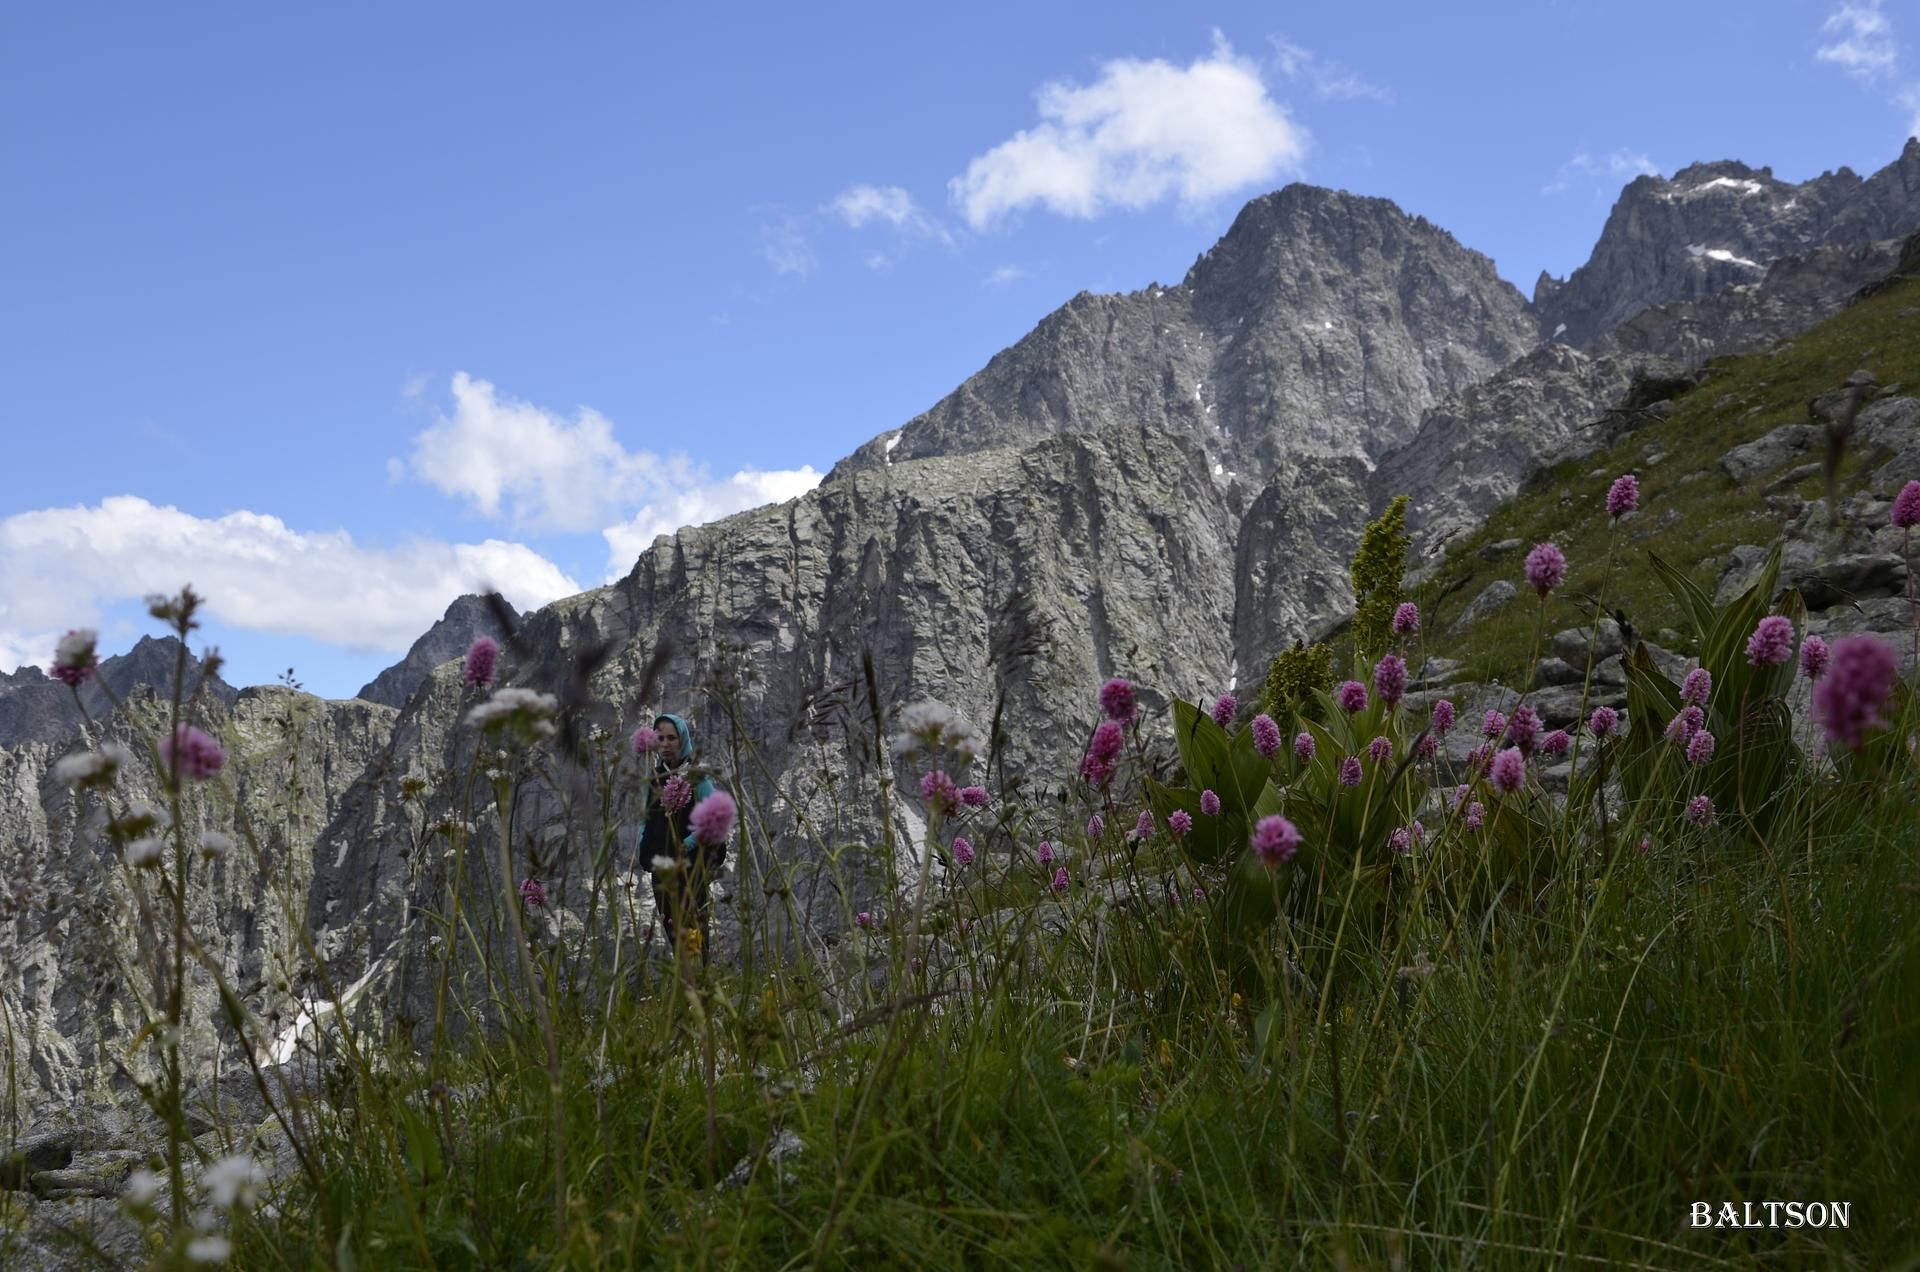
[
  {"x": 468, "y": 617},
  {"x": 34, "y": 707},
  {"x": 1716, "y": 225}
]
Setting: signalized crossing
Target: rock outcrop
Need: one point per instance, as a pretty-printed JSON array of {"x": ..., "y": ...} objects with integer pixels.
[
  {"x": 36, "y": 708},
  {"x": 1715, "y": 226},
  {"x": 468, "y": 617}
]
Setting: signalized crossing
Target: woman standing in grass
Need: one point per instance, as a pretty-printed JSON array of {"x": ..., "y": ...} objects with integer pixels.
[{"x": 681, "y": 866}]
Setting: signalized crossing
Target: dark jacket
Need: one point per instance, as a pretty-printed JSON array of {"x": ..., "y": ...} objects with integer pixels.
[{"x": 663, "y": 829}]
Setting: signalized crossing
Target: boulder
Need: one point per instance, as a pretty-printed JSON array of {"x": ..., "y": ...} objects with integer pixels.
[{"x": 1765, "y": 454}]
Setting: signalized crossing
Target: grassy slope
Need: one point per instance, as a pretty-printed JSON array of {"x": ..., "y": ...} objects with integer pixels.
[{"x": 1746, "y": 397}]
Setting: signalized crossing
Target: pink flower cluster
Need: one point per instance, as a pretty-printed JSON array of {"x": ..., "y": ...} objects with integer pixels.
[
  {"x": 1604, "y": 723},
  {"x": 1509, "y": 770},
  {"x": 962, "y": 851},
  {"x": 1303, "y": 747},
  {"x": 1683, "y": 726},
  {"x": 1406, "y": 618},
  {"x": 1180, "y": 822},
  {"x": 1266, "y": 735},
  {"x": 1350, "y": 771},
  {"x": 1546, "y": 568},
  {"x": 1849, "y": 701},
  {"x": 1275, "y": 840},
  {"x": 1045, "y": 854},
  {"x": 1700, "y": 748},
  {"x": 1209, "y": 803},
  {"x": 939, "y": 792},
  {"x": 1103, "y": 753},
  {"x": 1117, "y": 700},
  {"x": 1700, "y": 811},
  {"x": 1225, "y": 708},
  {"x": 1523, "y": 730},
  {"x": 1771, "y": 643},
  {"x": 1443, "y": 717},
  {"x": 1814, "y": 656},
  {"x": 1623, "y": 496},
  {"x": 1352, "y": 696},
  {"x": 75, "y": 658},
  {"x": 192, "y": 753},
  {"x": 1380, "y": 750},
  {"x": 482, "y": 661},
  {"x": 533, "y": 893},
  {"x": 645, "y": 739},
  {"x": 1390, "y": 680},
  {"x": 712, "y": 819},
  {"x": 973, "y": 796},
  {"x": 1697, "y": 687},
  {"x": 676, "y": 794},
  {"x": 1906, "y": 506}
]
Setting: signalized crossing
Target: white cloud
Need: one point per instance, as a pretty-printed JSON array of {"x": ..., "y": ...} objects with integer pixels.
[
  {"x": 697, "y": 504},
  {"x": 1329, "y": 80},
  {"x": 1003, "y": 275},
  {"x": 1143, "y": 132},
  {"x": 512, "y": 459},
  {"x": 784, "y": 245},
  {"x": 1606, "y": 174},
  {"x": 862, "y": 205},
  {"x": 59, "y": 566},
  {"x": 547, "y": 472},
  {"x": 1862, "y": 41}
]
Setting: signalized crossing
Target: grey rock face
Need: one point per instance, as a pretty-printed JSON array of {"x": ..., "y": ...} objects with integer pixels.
[
  {"x": 1766, "y": 453},
  {"x": 468, "y": 617},
  {"x": 34, "y": 707},
  {"x": 72, "y": 938},
  {"x": 1496, "y": 594},
  {"x": 1719, "y": 225},
  {"x": 1322, "y": 323}
]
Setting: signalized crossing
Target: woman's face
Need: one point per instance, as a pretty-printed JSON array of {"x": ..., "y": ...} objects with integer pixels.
[{"x": 669, "y": 741}]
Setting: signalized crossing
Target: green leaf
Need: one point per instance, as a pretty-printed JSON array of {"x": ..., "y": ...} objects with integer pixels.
[{"x": 1697, "y": 605}]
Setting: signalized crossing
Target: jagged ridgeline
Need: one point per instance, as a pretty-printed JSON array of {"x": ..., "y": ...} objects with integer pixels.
[{"x": 1169, "y": 484}]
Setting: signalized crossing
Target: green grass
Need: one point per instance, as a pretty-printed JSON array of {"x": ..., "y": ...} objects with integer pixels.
[{"x": 1744, "y": 398}]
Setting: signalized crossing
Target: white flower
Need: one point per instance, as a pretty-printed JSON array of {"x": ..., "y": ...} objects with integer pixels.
[
  {"x": 145, "y": 851},
  {"x": 214, "y": 1249},
  {"x": 934, "y": 725},
  {"x": 142, "y": 1187},
  {"x": 663, "y": 864},
  {"x": 517, "y": 706},
  {"x": 232, "y": 1180},
  {"x": 90, "y": 767},
  {"x": 214, "y": 844}
]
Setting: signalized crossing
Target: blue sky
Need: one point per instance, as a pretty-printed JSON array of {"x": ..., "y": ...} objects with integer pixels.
[{"x": 336, "y": 312}]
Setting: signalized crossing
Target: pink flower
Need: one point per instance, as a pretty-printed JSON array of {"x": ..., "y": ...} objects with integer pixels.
[
  {"x": 534, "y": 893},
  {"x": 1478, "y": 757},
  {"x": 1546, "y": 568},
  {"x": 1266, "y": 735},
  {"x": 1380, "y": 750},
  {"x": 1060, "y": 879},
  {"x": 676, "y": 794},
  {"x": 939, "y": 792},
  {"x": 973, "y": 796},
  {"x": 1556, "y": 743},
  {"x": 1406, "y": 619},
  {"x": 1303, "y": 747},
  {"x": 1180, "y": 821},
  {"x": 1623, "y": 496},
  {"x": 1771, "y": 643},
  {"x": 75, "y": 658},
  {"x": 1700, "y": 748},
  {"x": 1604, "y": 723},
  {"x": 1443, "y": 717},
  {"x": 1700, "y": 811},
  {"x": 1390, "y": 680},
  {"x": 1509, "y": 770},
  {"x": 1476, "y": 815},
  {"x": 1646, "y": 845},
  {"x": 482, "y": 659},
  {"x": 864, "y": 919},
  {"x": 1848, "y": 703},
  {"x": 1492, "y": 725},
  {"x": 1116, "y": 699},
  {"x": 1407, "y": 838},
  {"x": 1096, "y": 826},
  {"x": 1209, "y": 803},
  {"x": 1906, "y": 506},
  {"x": 962, "y": 851},
  {"x": 1697, "y": 687},
  {"x": 1814, "y": 656},
  {"x": 1275, "y": 840},
  {"x": 1426, "y": 746},
  {"x": 1224, "y": 709},
  {"x": 712, "y": 818},
  {"x": 645, "y": 739},
  {"x": 1108, "y": 741},
  {"x": 1046, "y": 852},
  {"x": 1350, "y": 771},
  {"x": 1352, "y": 696},
  {"x": 1524, "y": 728},
  {"x": 192, "y": 753},
  {"x": 1143, "y": 825},
  {"x": 1682, "y": 727}
]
